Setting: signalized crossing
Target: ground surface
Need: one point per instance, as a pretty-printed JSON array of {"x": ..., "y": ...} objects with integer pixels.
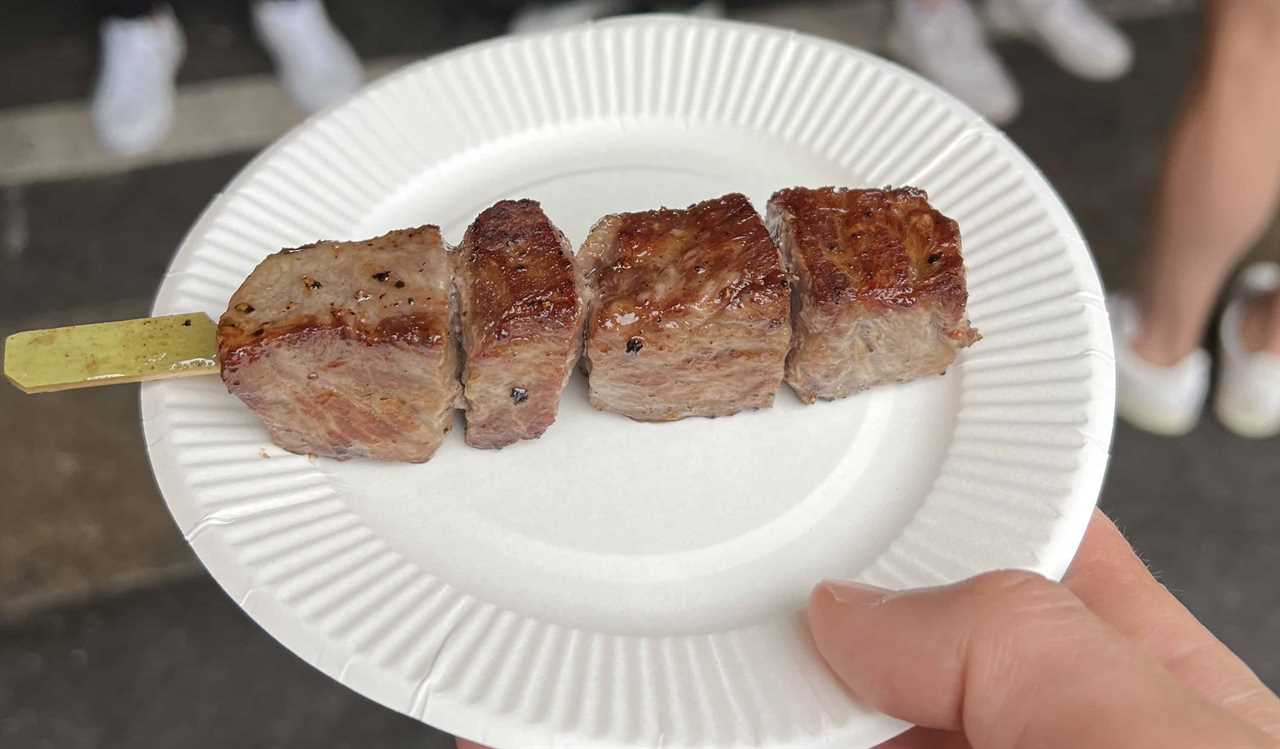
[{"x": 114, "y": 637}]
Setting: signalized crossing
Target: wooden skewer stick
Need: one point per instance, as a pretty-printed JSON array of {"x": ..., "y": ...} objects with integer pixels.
[{"x": 109, "y": 353}]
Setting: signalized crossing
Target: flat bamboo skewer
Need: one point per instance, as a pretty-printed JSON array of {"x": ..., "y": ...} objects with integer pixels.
[{"x": 110, "y": 353}]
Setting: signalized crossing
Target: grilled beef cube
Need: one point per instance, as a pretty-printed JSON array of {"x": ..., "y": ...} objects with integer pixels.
[
  {"x": 688, "y": 311},
  {"x": 344, "y": 349},
  {"x": 879, "y": 288},
  {"x": 521, "y": 319}
]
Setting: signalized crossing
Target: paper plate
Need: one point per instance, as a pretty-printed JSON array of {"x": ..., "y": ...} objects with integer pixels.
[{"x": 616, "y": 583}]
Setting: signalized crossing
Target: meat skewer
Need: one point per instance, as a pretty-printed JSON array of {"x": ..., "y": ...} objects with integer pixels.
[{"x": 351, "y": 349}]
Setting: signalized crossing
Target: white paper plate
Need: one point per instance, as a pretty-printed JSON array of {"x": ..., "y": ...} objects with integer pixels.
[{"x": 617, "y": 583}]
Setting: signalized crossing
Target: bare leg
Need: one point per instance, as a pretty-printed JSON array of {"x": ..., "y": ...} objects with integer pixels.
[{"x": 1221, "y": 179}]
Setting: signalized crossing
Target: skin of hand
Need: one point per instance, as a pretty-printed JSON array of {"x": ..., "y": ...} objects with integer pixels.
[
  {"x": 1010, "y": 660},
  {"x": 1106, "y": 659}
]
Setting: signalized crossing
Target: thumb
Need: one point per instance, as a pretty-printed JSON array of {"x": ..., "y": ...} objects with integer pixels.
[{"x": 1014, "y": 661}]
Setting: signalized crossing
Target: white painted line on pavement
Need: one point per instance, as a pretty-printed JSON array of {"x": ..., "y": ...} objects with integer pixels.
[{"x": 56, "y": 141}]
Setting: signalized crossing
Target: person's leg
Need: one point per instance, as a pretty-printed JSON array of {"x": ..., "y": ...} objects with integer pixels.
[
  {"x": 945, "y": 42},
  {"x": 1220, "y": 183},
  {"x": 141, "y": 48},
  {"x": 315, "y": 63}
]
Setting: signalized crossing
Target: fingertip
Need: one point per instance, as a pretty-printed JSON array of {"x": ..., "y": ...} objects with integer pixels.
[
  {"x": 821, "y": 615},
  {"x": 821, "y": 595},
  {"x": 821, "y": 601},
  {"x": 847, "y": 593},
  {"x": 831, "y": 602}
]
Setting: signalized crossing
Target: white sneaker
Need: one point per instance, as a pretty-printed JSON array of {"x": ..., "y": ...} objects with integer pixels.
[
  {"x": 1072, "y": 32},
  {"x": 1161, "y": 400},
  {"x": 1248, "y": 397},
  {"x": 708, "y": 9},
  {"x": 315, "y": 63},
  {"x": 541, "y": 16},
  {"x": 132, "y": 106},
  {"x": 538, "y": 17},
  {"x": 947, "y": 45}
]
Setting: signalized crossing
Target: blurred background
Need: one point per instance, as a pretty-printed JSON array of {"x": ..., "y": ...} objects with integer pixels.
[{"x": 111, "y": 634}]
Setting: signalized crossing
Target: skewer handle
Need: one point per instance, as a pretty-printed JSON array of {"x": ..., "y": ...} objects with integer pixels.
[{"x": 109, "y": 353}]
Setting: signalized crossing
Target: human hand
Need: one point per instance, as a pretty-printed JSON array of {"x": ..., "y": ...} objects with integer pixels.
[{"x": 1009, "y": 660}]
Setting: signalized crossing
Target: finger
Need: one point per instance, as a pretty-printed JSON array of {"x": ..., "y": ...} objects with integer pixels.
[
  {"x": 1013, "y": 661},
  {"x": 1114, "y": 583},
  {"x": 464, "y": 744}
]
